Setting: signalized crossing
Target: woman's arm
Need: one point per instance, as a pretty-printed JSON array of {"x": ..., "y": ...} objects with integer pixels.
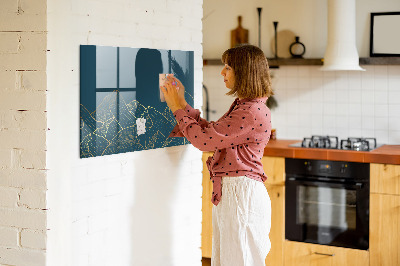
[
  {"x": 193, "y": 113},
  {"x": 237, "y": 128}
]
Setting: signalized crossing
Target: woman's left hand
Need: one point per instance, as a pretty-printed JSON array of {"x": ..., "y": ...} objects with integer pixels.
[{"x": 171, "y": 95}]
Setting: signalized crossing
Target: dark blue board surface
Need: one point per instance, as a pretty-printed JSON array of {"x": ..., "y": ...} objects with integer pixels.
[{"x": 119, "y": 87}]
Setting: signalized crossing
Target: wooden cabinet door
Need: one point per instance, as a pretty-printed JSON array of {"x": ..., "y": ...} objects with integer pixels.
[
  {"x": 384, "y": 237},
  {"x": 206, "y": 226},
  {"x": 385, "y": 178},
  {"x": 304, "y": 254},
  {"x": 274, "y": 168},
  {"x": 277, "y": 233}
]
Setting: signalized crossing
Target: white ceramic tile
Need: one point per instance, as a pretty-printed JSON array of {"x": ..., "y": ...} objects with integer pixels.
[
  {"x": 367, "y": 122},
  {"x": 382, "y": 136},
  {"x": 394, "y": 137},
  {"x": 303, "y": 131},
  {"x": 355, "y": 109},
  {"x": 317, "y": 131},
  {"x": 278, "y": 83},
  {"x": 394, "y": 83},
  {"x": 329, "y": 94},
  {"x": 368, "y": 110},
  {"x": 317, "y": 107},
  {"x": 304, "y": 109},
  {"x": 342, "y": 81},
  {"x": 342, "y": 122},
  {"x": 342, "y": 133},
  {"x": 328, "y": 74},
  {"x": 291, "y": 71},
  {"x": 292, "y": 83},
  {"x": 292, "y": 107},
  {"x": 367, "y": 133},
  {"x": 394, "y": 71},
  {"x": 394, "y": 110},
  {"x": 279, "y": 72},
  {"x": 355, "y": 122},
  {"x": 329, "y": 131},
  {"x": 367, "y": 83},
  {"x": 380, "y": 84},
  {"x": 342, "y": 109},
  {"x": 354, "y": 80},
  {"x": 381, "y": 97},
  {"x": 381, "y": 110},
  {"x": 329, "y": 109},
  {"x": 355, "y": 132},
  {"x": 394, "y": 123},
  {"x": 394, "y": 97},
  {"x": 317, "y": 120},
  {"x": 293, "y": 120},
  {"x": 381, "y": 71},
  {"x": 316, "y": 82},
  {"x": 355, "y": 96},
  {"x": 291, "y": 133},
  {"x": 342, "y": 96},
  {"x": 316, "y": 72},
  {"x": 329, "y": 122},
  {"x": 367, "y": 96},
  {"x": 304, "y": 72},
  {"x": 381, "y": 123},
  {"x": 317, "y": 95},
  {"x": 303, "y": 82},
  {"x": 369, "y": 70}
]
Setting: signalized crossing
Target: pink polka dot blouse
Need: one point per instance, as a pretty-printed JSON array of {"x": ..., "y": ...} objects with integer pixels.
[{"x": 238, "y": 139}]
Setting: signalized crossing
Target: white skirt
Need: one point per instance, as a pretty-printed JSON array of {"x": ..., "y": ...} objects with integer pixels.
[{"x": 241, "y": 223}]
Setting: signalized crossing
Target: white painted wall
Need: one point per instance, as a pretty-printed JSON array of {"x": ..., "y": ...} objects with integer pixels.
[
  {"x": 139, "y": 208},
  {"x": 23, "y": 133},
  {"x": 305, "y": 18},
  {"x": 311, "y": 102}
]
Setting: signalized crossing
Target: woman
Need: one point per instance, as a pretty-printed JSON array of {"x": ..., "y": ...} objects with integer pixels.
[{"x": 242, "y": 208}]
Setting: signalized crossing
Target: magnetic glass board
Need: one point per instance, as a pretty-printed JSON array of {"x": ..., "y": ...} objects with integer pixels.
[{"x": 121, "y": 109}]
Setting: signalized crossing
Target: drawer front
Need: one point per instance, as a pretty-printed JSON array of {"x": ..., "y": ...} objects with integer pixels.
[{"x": 297, "y": 253}]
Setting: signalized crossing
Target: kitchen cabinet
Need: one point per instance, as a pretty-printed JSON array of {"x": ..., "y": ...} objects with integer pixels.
[
  {"x": 305, "y": 254},
  {"x": 274, "y": 168},
  {"x": 206, "y": 225},
  {"x": 385, "y": 178},
  {"x": 385, "y": 215}
]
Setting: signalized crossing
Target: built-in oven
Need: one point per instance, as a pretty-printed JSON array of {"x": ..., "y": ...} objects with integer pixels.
[{"x": 327, "y": 202}]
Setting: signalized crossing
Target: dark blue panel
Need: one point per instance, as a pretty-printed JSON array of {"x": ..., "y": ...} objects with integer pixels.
[{"x": 127, "y": 89}]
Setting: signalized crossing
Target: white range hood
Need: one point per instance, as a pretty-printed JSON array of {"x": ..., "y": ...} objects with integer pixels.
[{"x": 341, "y": 51}]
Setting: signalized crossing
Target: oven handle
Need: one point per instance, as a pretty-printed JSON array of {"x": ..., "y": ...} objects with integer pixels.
[{"x": 357, "y": 185}]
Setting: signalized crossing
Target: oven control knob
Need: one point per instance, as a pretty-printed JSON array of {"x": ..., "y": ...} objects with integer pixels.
[
  {"x": 343, "y": 168},
  {"x": 308, "y": 166}
]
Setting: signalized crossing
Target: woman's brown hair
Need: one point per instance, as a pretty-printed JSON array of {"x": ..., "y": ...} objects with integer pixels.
[{"x": 250, "y": 66}]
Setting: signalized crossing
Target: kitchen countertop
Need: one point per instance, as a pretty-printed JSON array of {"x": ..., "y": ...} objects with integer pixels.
[{"x": 389, "y": 154}]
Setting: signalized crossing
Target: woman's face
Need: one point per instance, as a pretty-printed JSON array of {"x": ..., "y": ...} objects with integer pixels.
[{"x": 229, "y": 76}]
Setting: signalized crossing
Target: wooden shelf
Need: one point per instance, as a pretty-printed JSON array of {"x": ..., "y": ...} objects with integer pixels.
[
  {"x": 380, "y": 61},
  {"x": 273, "y": 63}
]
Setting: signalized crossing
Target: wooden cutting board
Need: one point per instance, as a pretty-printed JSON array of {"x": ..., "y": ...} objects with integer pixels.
[{"x": 239, "y": 35}]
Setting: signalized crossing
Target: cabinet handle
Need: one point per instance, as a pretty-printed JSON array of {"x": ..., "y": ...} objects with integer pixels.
[{"x": 324, "y": 254}]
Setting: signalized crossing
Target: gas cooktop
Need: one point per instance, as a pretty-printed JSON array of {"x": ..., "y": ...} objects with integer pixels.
[{"x": 332, "y": 142}]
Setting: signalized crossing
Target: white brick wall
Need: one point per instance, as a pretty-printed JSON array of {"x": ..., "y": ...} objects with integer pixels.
[
  {"x": 23, "y": 132},
  {"x": 138, "y": 208}
]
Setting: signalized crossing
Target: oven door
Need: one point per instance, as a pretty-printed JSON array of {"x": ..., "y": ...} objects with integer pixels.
[{"x": 327, "y": 213}]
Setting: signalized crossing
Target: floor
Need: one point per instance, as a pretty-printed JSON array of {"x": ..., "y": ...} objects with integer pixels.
[{"x": 206, "y": 261}]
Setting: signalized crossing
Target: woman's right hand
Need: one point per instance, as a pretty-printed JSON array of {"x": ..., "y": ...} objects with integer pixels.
[{"x": 181, "y": 91}]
